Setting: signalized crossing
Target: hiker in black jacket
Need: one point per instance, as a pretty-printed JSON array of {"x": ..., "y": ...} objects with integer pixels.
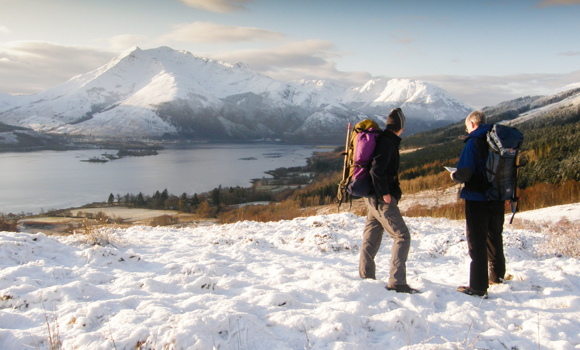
[
  {"x": 382, "y": 211},
  {"x": 484, "y": 218}
]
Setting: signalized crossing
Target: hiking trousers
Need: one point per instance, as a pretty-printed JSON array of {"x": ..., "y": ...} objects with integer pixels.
[
  {"x": 484, "y": 221},
  {"x": 385, "y": 217}
]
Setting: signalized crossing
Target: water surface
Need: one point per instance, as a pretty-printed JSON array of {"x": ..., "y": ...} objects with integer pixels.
[{"x": 44, "y": 180}]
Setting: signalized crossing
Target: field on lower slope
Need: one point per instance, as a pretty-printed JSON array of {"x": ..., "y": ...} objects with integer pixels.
[{"x": 278, "y": 285}]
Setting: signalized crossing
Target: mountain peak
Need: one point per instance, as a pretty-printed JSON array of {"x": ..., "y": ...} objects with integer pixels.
[
  {"x": 162, "y": 91},
  {"x": 130, "y": 51}
]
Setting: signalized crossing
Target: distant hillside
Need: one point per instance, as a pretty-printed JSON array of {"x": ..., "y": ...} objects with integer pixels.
[
  {"x": 530, "y": 107},
  {"x": 15, "y": 138},
  {"x": 551, "y": 127}
]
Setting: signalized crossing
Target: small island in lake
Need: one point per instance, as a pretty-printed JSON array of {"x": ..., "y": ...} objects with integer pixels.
[
  {"x": 95, "y": 160},
  {"x": 105, "y": 157}
]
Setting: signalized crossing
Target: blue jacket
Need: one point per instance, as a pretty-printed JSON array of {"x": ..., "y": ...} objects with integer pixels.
[{"x": 471, "y": 166}]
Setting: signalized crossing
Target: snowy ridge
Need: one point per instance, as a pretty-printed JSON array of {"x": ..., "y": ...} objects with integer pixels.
[
  {"x": 151, "y": 93},
  {"x": 280, "y": 285},
  {"x": 415, "y": 97},
  {"x": 566, "y": 88},
  {"x": 569, "y": 102},
  {"x": 6, "y": 100}
]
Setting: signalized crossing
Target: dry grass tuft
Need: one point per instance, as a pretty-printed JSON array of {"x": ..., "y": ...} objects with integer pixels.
[
  {"x": 164, "y": 220},
  {"x": 536, "y": 226},
  {"x": 564, "y": 238},
  {"x": 97, "y": 233},
  {"x": 438, "y": 181},
  {"x": 8, "y": 224},
  {"x": 52, "y": 340},
  {"x": 286, "y": 210},
  {"x": 453, "y": 211}
]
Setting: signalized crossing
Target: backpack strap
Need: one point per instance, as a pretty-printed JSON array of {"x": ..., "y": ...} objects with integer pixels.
[{"x": 514, "y": 200}]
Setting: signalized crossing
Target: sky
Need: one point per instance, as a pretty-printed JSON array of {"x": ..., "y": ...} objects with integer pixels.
[{"x": 481, "y": 52}]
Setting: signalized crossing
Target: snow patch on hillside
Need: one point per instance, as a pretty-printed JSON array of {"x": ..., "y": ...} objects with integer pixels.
[
  {"x": 539, "y": 112},
  {"x": 566, "y": 88},
  {"x": 570, "y": 212}
]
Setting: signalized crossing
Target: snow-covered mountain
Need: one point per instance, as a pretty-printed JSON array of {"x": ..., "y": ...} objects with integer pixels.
[
  {"x": 6, "y": 100},
  {"x": 421, "y": 100},
  {"x": 551, "y": 109},
  {"x": 167, "y": 93}
]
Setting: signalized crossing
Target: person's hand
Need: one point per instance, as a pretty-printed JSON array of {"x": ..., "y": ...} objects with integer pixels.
[{"x": 387, "y": 198}]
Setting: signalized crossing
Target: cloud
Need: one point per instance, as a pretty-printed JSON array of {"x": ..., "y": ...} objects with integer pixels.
[
  {"x": 28, "y": 67},
  {"x": 310, "y": 59},
  {"x": 547, "y": 3},
  {"x": 219, "y": 6},
  {"x": 481, "y": 91},
  {"x": 571, "y": 53},
  {"x": 4, "y": 30},
  {"x": 123, "y": 42},
  {"x": 206, "y": 32},
  {"x": 402, "y": 37}
]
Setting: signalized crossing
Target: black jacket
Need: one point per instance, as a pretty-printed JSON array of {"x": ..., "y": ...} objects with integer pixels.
[{"x": 385, "y": 166}]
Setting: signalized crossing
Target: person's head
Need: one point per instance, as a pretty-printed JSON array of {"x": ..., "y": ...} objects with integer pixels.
[
  {"x": 474, "y": 120},
  {"x": 396, "y": 121}
]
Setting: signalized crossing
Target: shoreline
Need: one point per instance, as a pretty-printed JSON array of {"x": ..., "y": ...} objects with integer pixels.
[
  {"x": 119, "y": 144},
  {"x": 73, "y": 202}
]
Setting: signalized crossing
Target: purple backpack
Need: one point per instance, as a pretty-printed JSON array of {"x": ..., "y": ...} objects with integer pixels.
[{"x": 360, "y": 157}]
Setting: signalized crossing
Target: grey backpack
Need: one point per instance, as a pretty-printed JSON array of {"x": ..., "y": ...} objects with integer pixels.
[{"x": 501, "y": 167}]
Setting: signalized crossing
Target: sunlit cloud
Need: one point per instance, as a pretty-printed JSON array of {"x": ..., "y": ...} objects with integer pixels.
[
  {"x": 206, "y": 32},
  {"x": 123, "y": 42},
  {"x": 311, "y": 59},
  {"x": 219, "y": 6},
  {"x": 481, "y": 91},
  {"x": 4, "y": 30},
  {"x": 29, "y": 67},
  {"x": 547, "y": 3}
]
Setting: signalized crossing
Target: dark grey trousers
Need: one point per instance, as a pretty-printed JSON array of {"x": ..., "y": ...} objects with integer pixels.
[
  {"x": 386, "y": 218},
  {"x": 485, "y": 242}
]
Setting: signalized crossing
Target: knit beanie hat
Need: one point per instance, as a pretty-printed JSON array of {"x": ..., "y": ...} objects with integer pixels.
[{"x": 396, "y": 119}]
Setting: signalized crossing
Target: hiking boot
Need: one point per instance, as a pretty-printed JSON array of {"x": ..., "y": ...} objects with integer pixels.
[
  {"x": 471, "y": 291},
  {"x": 499, "y": 281},
  {"x": 404, "y": 288}
]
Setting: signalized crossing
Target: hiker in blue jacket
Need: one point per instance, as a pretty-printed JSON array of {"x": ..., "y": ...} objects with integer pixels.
[
  {"x": 484, "y": 218},
  {"x": 382, "y": 211}
]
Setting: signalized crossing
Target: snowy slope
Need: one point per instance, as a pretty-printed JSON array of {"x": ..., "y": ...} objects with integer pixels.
[
  {"x": 570, "y": 212},
  {"x": 567, "y": 87},
  {"x": 417, "y": 98},
  {"x": 6, "y": 100},
  {"x": 152, "y": 93},
  {"x": 572, "y": 102},
  {"x": 279, "y": 285}
]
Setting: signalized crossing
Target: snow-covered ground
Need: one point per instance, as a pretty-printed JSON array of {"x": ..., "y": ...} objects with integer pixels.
[
  {"x": 279, "y": 285},
  {"x": 571, "y": 212}
]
